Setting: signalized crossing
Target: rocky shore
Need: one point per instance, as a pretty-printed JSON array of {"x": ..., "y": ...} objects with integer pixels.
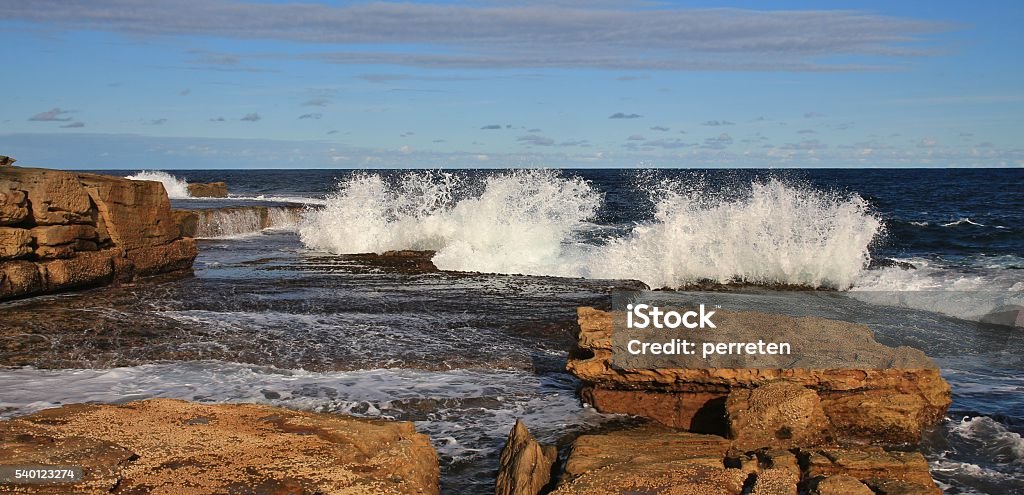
[
  {"x": 743, "y": 431},
  {"x": 64, "y": 230},
  {"x": 163, "y": 446}
]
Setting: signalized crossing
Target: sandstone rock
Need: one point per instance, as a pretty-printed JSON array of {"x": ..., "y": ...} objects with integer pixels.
[
  {"x": 20, "y": 278},
  {"x": 86, "y": 269},
  {"x": 166, "y": 446},
  {"x": 841, "y": 484},
  {"x": 56, "y": 197},
  {"x": 208, "y": 190},
  {"x": 6, "y": 161},
  {"x": 659, "y": 460},
  {"x": 525, "y": 465},
  {"x": 874, "y": 466},
  {"x": 54, "y": 235},
  {"x": 177, "y": 255},
  {"x": 650, "y": 459},
  {"x": 777, "y": 414},
  {"x": 14, "y": 243},
  {"x": 776, "y": 458},
  {"x": 695, "y": 398},
  {"x": 136, "y": 214},
  {"x": 188, "y": 222},
  {"x": 775, "y": 482},
  {"x": 13, "y": 205},
  {"x": 85, "y": 230}
]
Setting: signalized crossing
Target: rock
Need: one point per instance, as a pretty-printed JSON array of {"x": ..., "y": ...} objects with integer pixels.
[
  {"x": 13, "y": 206},
  {"x": 56, "y": 197},
  {"x": 14, "y": 243},
  {"x": 775, "y": 482},
  {"x": 649, "y": 459},
  {"x": 873, "y": 466},
  {"x": 54, "y": 235},
  {"x": 208, "y": 190},
  {"x": 169, "y": 446},
  {"x": 6, "y": 161},
  {"x": 84, "y": 230},
  {"x": 20, "y": 278},
  {"x": 841, "y": 484},
  {"x": 694, "y": 398},
  {"x": 175, "y": 256},
  {"x": 525, "y": 465},
  {"x": 187, "y": 222},
  {"x": 777, "y": 414},
  {"x": 84, "y": 270},
  {"x": 653, "y": 459}
]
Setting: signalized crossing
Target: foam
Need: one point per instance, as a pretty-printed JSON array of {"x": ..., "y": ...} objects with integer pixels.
[
  {"x": 176, "y": 188},
  {"x": 533, "y": 221}
]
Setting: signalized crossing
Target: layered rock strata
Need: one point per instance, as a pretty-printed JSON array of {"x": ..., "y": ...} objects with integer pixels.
[
  {"x": 64, "y": 230},
  {"x": 663, "y": 461},
  {"x": 164, "y": 446},
  {"x": 883, "y": 405}
]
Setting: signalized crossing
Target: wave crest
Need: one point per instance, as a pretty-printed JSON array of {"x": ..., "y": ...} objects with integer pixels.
[
  {"x": 176, "y": 188},
  {"x": 532, "y": 222}
]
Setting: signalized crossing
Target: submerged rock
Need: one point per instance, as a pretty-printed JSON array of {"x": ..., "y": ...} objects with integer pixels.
[
  {"x": 208, "y": 190},
  {"x": 164, "y": 446},
  {"x": 525, "y": 465},
  {"x": 892, "y": 402}
]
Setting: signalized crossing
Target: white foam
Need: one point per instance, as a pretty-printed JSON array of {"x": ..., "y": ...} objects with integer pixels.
[
  {"x": 968, "y": 294},
  {"x": 963, "y": 221},
  {"x": 531, "y": 222},
  {"x": 176, "y": 188},
  {"x": 516, "y": 224},
  {"x": 773, "y": 234}
]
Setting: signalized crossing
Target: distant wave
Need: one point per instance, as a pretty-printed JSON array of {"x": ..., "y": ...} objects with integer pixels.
[
  {"x": 963, "y": 221},
  {"x": 530, "y": 222},
  {"x": 176, "y": 188}
]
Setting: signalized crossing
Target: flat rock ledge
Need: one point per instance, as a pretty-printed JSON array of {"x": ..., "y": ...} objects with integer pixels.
[
  {"x": 659, "y": 460},
  {"x": 164, "y": 446},
  {"x": 883, "y": 406},
  {"x": 63, "y": 230}
]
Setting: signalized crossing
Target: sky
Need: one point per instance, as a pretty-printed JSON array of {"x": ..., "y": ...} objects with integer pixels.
[{"x": 144, "y": 84}]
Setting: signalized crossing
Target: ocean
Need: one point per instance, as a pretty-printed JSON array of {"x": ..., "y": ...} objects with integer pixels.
[{"x": 284, "y": 315}]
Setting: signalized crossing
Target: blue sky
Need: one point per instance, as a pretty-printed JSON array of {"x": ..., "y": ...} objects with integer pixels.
[{"x": 133, "y": 84}]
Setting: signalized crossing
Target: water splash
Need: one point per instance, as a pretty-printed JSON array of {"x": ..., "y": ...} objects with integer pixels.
[
  {"x": 176, "y": 188},
  {"x": 531, "y": 222}
]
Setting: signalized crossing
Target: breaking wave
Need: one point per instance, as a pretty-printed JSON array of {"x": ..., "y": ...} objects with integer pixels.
[
  {"x": 538, "y": 222},
  {"x": 176, "y": 188}
]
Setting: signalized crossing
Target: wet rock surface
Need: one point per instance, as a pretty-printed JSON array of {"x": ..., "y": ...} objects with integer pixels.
[{"x": 166, "y": 446}]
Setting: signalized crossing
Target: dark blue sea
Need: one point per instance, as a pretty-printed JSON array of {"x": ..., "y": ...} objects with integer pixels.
[{"x": 279, "y": 312}]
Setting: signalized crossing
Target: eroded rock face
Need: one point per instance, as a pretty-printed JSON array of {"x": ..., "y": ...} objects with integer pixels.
[
  {"x": 208, "y": 190},
  {"x": 779, "y": 414},
  {"x": 886, "y": 406},
  {"x": 525, "y": 465},
  {"x": 79, "y": 230},
  {"x": 164, "y": 446}
]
